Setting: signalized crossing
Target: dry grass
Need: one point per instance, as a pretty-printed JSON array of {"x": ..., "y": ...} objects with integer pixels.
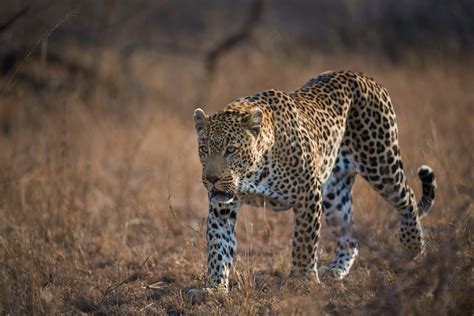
[{"x": 102, "y": 208}]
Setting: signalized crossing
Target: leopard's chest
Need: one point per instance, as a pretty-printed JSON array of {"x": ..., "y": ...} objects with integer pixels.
[{"x": 272, "y": 183}]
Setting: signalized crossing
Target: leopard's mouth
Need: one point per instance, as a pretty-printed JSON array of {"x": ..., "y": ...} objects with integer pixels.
[{"x": 222, "y": 197}]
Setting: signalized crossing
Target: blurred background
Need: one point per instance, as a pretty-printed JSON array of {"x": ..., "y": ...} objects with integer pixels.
[
  {"x": 160, "y": 51},
  {"x": 100, "y": 196}
]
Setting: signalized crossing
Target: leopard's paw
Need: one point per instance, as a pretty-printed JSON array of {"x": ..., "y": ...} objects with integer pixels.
[
  {"x": 336, "y": 273},
  {"x": 196, "y": 296},
  {"x": 200, "y": 295},
  {"x": 304, "y": 276}
]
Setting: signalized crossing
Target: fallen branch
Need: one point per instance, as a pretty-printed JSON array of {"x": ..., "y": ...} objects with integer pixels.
[{"x": 128, "y": 279}]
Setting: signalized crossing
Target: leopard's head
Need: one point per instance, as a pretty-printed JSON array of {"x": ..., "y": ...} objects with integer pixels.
[{"x": 228, "y": 149}]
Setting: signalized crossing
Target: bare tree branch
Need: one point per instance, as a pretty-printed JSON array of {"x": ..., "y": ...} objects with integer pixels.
[
  {"x": 255, "y": 13},
  {"x": 215, "y": 54},
  {"x": 45, "y": 35},
  {"x": 5, "y": 26}
]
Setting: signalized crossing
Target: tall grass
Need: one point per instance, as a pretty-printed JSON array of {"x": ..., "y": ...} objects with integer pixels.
[{"x": 103, "y": 211}]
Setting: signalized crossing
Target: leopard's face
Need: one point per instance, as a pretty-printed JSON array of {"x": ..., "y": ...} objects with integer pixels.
[{"x": 227, "y": 149}]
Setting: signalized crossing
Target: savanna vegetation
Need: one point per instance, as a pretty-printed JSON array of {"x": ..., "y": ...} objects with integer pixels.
[{"x": 102, "y": 209}]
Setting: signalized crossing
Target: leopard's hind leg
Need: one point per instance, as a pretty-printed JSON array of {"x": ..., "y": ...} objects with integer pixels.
[
  {"x": 337, "y": 204},
  {"x": 372, "y": 136},
  {"x": 390, "y": 182},
  {"x": 378, "y": 160}
]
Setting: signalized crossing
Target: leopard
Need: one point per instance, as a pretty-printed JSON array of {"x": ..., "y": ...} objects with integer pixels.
[{"x": 302, "y": 150}]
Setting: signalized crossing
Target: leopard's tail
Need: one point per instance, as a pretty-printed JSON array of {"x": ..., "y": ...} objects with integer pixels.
[{"x": 428, "y": 186}]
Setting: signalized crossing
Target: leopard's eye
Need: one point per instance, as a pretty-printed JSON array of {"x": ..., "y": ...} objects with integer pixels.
[
  {"x": 230, "y": 150},
  {"x": 203, "y": 150}
]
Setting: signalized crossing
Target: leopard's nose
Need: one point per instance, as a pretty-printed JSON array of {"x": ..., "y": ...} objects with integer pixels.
[{"x": 212, "y": 179}]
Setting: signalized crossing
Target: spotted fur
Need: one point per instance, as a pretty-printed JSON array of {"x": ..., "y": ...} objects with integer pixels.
[{"x": 302, "y": 150}]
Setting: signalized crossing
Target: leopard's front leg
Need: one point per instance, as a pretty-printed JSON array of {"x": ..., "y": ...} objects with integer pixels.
[
  {"x": 221, "y": 242},
  {"x": 307, "y": 222},
  {"x": 221, "y": 247}
]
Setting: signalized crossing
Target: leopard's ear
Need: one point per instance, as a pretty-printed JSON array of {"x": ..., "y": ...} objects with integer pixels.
[
  {"x": 255, "y": 120},
  {"x": 200, "y": 120}
]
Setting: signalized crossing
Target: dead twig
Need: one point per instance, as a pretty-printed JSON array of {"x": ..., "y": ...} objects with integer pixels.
[
  {"x": 43, "y": 37},
  {"x": 48, "y": 281},
  {"x": 145, "y": 307},
  {"x": 128, "y": 279},
  {"x": 5, "y": 26}
]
